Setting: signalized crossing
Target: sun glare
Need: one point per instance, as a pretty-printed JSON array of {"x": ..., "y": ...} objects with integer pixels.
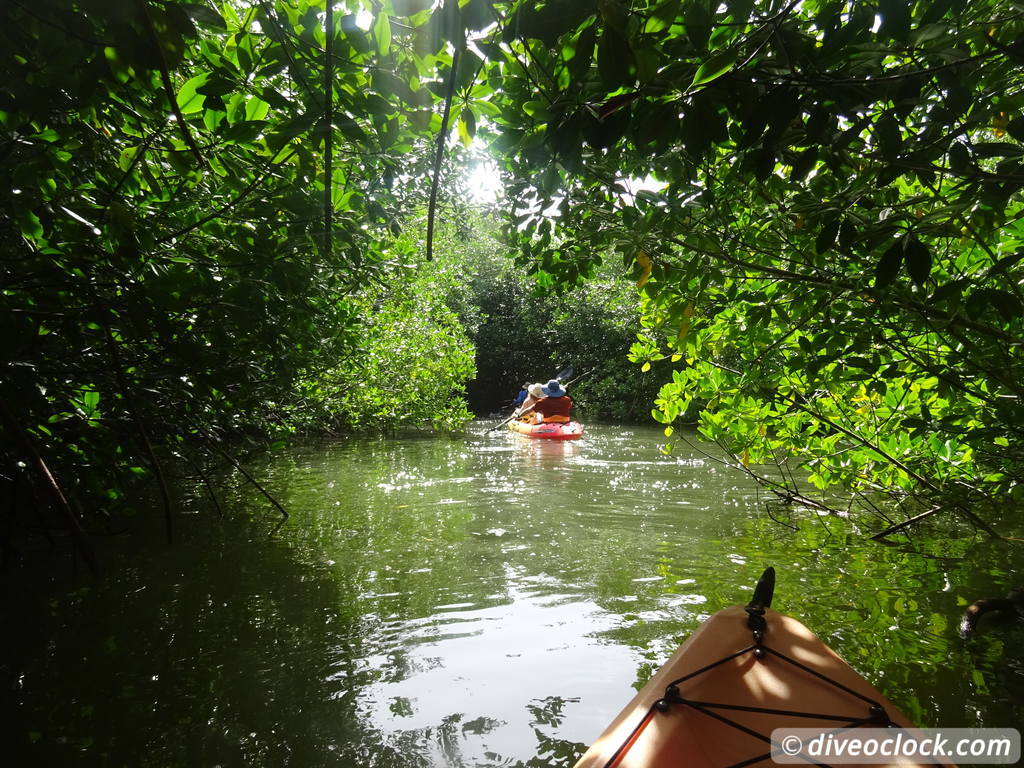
[{"x": 484, "y": 182}]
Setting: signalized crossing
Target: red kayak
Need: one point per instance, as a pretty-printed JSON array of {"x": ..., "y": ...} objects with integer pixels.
[{"x": 572, "y": 430}]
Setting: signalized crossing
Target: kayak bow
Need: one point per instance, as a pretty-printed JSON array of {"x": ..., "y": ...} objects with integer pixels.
[{"x": 742, "y": 674}]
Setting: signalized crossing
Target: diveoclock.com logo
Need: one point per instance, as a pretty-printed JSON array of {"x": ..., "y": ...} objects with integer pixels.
[{"x": 994, "y": 746}]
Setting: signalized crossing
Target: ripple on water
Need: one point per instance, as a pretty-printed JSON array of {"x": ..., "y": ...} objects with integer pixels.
[
  {"x": 496, "y": 664},
  {"x": 483, "y": 601}
]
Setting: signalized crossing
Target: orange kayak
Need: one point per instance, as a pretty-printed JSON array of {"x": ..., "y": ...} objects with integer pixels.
[
  {"x": 572, "y": 430},
  {"x": 723, "y": 692}
]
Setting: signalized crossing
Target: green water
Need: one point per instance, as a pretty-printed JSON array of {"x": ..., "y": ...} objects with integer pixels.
[{"x": 480, "y": 601}]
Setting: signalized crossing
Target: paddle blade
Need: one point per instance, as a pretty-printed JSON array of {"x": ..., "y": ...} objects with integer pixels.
[{"x": 564, "y": 374}]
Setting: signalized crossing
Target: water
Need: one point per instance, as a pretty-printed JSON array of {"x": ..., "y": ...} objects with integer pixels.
[{"x": 480, "y": 601}]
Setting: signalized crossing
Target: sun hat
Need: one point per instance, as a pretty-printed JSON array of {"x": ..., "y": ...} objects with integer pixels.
[
  {"x": 536, "y": 391},
  {"x": 554, "y": 389}
]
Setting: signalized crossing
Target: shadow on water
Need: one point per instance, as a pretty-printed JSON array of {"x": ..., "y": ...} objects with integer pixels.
[{"x": 489, "y": 600}]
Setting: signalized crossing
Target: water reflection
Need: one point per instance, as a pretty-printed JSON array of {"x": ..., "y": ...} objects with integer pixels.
[
  {"x": 480, "y": 601},
  {"x": 533, "y": 642}
]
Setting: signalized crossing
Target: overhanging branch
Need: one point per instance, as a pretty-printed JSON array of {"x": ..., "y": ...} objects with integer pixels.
[{"x": 442, "y": 136}]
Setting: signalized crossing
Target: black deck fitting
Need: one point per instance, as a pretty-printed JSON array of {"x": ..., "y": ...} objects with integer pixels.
[{"x": 762, "y": 600}]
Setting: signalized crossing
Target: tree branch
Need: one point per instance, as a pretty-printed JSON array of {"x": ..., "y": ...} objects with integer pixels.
[
  {"x": 228, "y": 206},
  {"x": 246, "y": 475},
  {"x": 60, "y": 501},
  {"x": 328, "y": 126},
  {"x": 165, "y": 78},
  {"x": 442, "y": 137}
]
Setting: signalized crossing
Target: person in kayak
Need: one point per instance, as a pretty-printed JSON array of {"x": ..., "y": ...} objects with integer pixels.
[
  {"x": 535, "y": 393},
  {"x": 521, "y": 396},
  {"x": 555, "y": 406}
]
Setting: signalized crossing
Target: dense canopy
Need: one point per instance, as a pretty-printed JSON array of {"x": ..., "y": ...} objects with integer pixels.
[
  {"x": 829, "y": 236},
  {"x": 208, "y": 204}
]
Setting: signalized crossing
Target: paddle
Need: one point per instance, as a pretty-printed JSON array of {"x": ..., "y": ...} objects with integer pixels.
[
  {"x": 585, "y": 373},
  {"x": 562, "y": 375}
]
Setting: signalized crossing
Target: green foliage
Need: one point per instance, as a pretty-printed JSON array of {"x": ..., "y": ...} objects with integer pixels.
[
  {"x": 832, "y": 258},
  {"x": 411, "y": 362},
  {"x": 829, "y": 258},
  {"x": 175, "y": 263}
]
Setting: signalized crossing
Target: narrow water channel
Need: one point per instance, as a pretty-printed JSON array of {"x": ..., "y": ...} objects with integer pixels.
[{"x": 482, "y": 600}]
